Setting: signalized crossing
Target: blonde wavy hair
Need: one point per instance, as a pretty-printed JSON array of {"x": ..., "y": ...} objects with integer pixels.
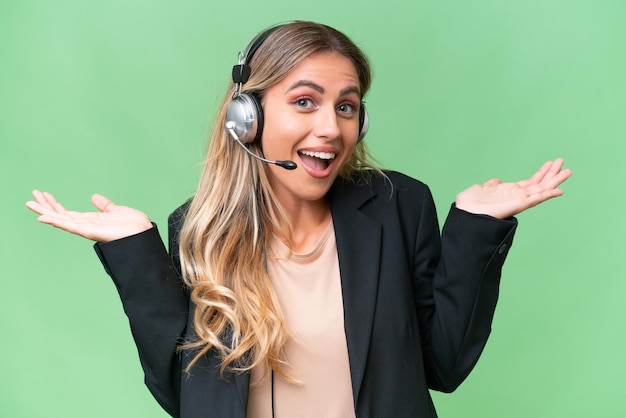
[{"x": 221, "y": 247}]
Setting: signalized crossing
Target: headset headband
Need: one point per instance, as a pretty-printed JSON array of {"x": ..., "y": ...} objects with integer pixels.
[{"x": 241, "y": 71}]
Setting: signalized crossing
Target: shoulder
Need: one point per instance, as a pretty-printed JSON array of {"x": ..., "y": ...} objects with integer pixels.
[
  {"x": 385, "y": 184},
  {"x": 402, "y": 182},
  {"x": 175, "y": 223},
  {"x": 383, "y": 195},
  {"x": 178, "y": 215}
]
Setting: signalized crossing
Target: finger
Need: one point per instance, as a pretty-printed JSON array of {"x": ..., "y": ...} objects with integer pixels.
[
  {"x": 102, "y": 203},
  {"x": 40, "y": 205},
  {"x": 47, "y": 215},
  {"x": 36, "y": 207},
  {"x": 558, "y": 179},
  {"x": 48, "y": 201},
  {"x": 540, "y": 197},
  {"x": 556, "y": 166},
  {"x": 540, "y": 174},
  {"x": 61, "y": 222},
  {"x": 54, "y": 203},
  {"x": 553, "y": 170},
  {"x": 554, "y": 176},
  {"x": 492, "y": 182},
  {"x": 41, "y": 199}
]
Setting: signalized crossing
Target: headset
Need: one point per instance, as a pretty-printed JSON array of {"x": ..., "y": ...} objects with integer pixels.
[{"x": 244, "y": 116}]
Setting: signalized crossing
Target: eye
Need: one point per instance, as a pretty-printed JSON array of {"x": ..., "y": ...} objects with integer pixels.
[
  {"x": 347, "y": 108},
  {"x": 303, "y": 103}
]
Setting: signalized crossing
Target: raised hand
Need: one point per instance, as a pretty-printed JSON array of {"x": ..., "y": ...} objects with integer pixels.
[
  {"x": 503, "y": 200},
  {"x": 111, "y": 223}
]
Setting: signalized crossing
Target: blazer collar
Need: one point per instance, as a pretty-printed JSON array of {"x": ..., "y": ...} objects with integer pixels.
[{"x": 358, "y": 239}]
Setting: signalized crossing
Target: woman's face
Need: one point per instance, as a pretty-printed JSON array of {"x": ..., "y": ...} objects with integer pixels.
[{"x": 311, "y": 118}]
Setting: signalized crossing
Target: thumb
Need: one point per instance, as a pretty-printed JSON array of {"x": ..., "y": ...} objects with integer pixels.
[
  {"x": 492, "y": 182},
  {"x": 102, "y": 203}
]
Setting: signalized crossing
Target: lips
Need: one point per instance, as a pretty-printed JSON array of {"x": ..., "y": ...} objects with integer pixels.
[{"x": 316, "y": 162}]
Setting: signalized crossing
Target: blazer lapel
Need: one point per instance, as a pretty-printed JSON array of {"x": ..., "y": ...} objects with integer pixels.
[
  {"x": 358, "y": 246},
  {"x": 242, "y": 380}
]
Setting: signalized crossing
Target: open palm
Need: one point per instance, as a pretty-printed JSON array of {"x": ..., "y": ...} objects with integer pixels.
[
  {"x": 110, "y": 223},
  {"x": 503, "y": 200}
]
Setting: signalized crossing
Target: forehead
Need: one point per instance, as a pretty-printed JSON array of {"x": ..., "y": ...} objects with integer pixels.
[{"x": 330, "y": 68}]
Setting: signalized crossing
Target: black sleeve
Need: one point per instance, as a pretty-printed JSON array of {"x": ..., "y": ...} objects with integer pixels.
[
  {"x": 456, "y": 284},
  {"x": 156, "y": 304}
]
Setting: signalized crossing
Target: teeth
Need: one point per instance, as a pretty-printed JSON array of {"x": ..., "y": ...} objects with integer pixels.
[{"x": 320, "y": 155}]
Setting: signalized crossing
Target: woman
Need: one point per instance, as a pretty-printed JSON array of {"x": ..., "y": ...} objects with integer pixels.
[{"x": 315, "y": 285}]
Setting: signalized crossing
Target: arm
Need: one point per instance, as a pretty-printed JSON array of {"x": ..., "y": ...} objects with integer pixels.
[
  {"x": 457, "y": 279},
  {"x": 457, "y": 284},
  {"x": 156, "y": 304},
  {"x": 152, "y": 294}
]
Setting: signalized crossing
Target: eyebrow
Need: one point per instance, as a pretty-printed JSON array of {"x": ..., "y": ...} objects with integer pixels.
[{"x": 320, "y": 89}]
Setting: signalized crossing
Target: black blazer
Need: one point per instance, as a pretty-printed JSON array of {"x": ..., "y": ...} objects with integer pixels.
[{"x": 417, "y": 306}]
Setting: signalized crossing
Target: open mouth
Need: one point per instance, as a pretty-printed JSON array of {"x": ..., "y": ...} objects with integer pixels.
[{"x": 318, "y": 161}]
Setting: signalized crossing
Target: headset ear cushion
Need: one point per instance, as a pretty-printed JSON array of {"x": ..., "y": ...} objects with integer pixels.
[
  {"x": 364, "y": 122},
  {"x": 246, "y": 113},
  {"x": 256, "y": 102}
]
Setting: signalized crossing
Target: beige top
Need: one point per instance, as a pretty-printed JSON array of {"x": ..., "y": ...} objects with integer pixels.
[{"x": 308, "y": 287}]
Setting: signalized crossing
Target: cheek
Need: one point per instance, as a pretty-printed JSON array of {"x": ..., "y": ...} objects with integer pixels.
[
  {"x": 350, "y": 137},
  {"x": 347, "y": 156},
  {"x": 282, "y": 132},
  {"x": 350, "y": 130}
]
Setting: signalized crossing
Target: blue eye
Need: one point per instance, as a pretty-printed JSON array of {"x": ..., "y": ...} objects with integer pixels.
[
  {"x": 304, "y": 102},
  {"x": 346, "y": 108}
]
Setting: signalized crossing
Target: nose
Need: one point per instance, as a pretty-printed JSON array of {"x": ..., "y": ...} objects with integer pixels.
[{"x": 326, "y": 124}]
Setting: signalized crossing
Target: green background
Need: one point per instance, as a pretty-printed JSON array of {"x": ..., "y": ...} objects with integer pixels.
[{"x": 117, "y": 97}]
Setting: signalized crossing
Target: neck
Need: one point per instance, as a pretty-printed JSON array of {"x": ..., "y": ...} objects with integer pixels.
[{"x": 308, "y": 223}]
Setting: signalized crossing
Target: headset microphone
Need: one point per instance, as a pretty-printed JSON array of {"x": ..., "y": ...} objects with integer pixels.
[{"x": 287, "y": 165}]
